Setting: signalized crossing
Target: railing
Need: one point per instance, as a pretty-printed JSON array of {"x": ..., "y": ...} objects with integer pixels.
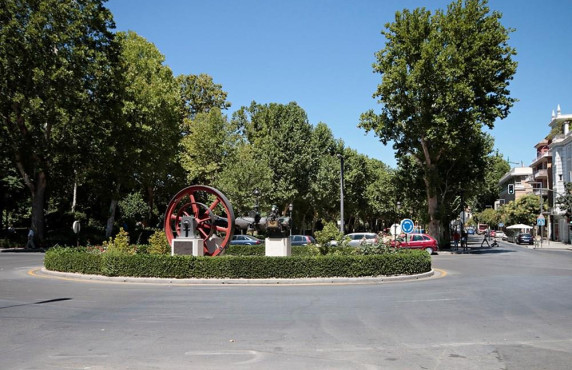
[{"x": 543, "y": 173}]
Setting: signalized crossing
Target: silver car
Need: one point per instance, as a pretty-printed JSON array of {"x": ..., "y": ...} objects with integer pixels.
[{"x": 357, "y": 239}]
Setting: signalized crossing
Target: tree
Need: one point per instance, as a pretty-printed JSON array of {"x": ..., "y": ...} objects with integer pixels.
[
  {"x": 57, "y": 87},
  {"x": 564, "y": 201},
  {"x": 444, "y": 77},
  {"x": 496, "y": 167},
  {"x": 279, "y": 135},
  {"x": 323, "y": 198},
  {"x": 240, "y": 175},
  {"x": 200, "y": 94},
  {"x": 204, "y": 149},
  {"x": 522, "y": 211},
  {"x": 488, "y": 216}
]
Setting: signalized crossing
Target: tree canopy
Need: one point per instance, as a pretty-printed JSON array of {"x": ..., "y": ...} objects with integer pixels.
[
  {"x": 444, "y": 76},
  {"x": 57, "y": 82}
]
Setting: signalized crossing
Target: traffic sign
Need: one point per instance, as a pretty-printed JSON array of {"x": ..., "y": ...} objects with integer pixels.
[
  {"x": 501, "y": 224},
  {"x": 541, "y": 221},
  {"x": 407, "y": 225}
]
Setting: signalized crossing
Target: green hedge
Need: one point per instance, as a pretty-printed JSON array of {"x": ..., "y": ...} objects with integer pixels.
[{"x": 163, "y": 266}]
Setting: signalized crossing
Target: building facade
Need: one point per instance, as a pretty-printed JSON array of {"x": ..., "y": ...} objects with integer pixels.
[{"x": 561, "y": 149}]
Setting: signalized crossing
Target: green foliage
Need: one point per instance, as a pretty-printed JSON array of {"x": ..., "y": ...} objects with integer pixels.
[
  {"x": 200, "y": 94},
  {"x": 134, "y": 208},
  {"x": 279, "y": 135},
  {"x": 564, "y": 201},
  {"x": 524, "y": 210},
  {"x": 146, "y": 265},
  {"x": 59, "y": 89},
  {"x": 77, "y": 260},
  {"x": 158, "y": 243},
  {"x": 330, "y": 232},
  {"x": 444, "y": 76},
  {"x": 119, "y": 244},
  {"x": 207, "y": 145},
  {"x": 489, "y": 216}
]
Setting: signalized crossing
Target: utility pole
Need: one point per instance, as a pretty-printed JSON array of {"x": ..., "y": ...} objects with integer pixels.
[{"x": 341, "y": 157}]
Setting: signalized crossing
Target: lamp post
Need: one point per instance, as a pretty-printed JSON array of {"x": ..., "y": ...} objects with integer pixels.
[
  {"x": 398, "y": 207},
  {"x": 540, "y": 215},
  {"x": 290, "y": 208},
  {"x": 256, "y": 194},
  {"x": 341, "y": 157}
]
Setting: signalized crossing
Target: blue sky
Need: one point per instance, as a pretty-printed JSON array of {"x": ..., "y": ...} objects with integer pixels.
[{"x": 319, "y": 53}]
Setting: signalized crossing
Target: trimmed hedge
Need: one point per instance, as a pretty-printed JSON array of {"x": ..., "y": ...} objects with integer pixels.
[{"x": 163, "y": 266}]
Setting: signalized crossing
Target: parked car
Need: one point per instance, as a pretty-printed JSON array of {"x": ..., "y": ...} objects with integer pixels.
[
  {"x": 244, "y": 240},
  {"x": 301, "y": 240},
  {"x": 492, "y": 233},
  {"x": 471, "y": 231},
  {"x": 524, "y": 238},
  {"x": 417, "y": 241},
  {"x": 500, "y": 234},
  {"x": 357, "y": 239}
]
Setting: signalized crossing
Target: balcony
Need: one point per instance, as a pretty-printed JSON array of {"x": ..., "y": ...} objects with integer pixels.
[
  {"x": 541, "y": 174},
  {"x": 545, "y": 192}
]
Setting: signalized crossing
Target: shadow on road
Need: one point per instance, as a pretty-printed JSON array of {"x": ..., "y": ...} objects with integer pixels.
[{"x": 41, "y": 302}]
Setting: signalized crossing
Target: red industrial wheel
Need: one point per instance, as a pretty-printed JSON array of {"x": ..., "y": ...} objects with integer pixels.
[{"x": 213, "y": 214}]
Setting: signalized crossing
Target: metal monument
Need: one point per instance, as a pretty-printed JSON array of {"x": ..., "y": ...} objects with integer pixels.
[{"x": 203, "y": 216}]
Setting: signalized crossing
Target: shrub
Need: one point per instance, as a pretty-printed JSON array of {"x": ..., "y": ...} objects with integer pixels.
[
  {"x": 158, "y": 243},
  {"x": 329, "y": 232},
  {"x": 70, "y": 259},
  {"x": 252, "y": 266},
  {"x": 119, "y": 244}
]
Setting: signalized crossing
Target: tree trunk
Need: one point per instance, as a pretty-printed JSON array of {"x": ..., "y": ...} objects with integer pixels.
[
  {"x": 111, "y": 218},
  {"x": 38, "y": 201},
  {"x": 74, "y": 200},
  {"x": 151, "y": 203}
]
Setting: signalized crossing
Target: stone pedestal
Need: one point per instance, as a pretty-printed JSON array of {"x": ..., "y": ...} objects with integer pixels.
[
  {"x": 278, "y": 247},
  {"x": 187, "y": 246}
]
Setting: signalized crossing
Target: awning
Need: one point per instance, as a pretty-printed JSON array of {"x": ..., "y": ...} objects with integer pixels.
[{"x": 519, "y": 226}]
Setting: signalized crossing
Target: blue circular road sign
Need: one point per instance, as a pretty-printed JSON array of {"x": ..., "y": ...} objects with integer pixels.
[{"x": 407, "y": 225}]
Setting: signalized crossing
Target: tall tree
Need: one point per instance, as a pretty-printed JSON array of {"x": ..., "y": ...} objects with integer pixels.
[
  {"x": 200, "y": 94},
  {"x": 279, "y": 135},
  {"x": 56, "y": 86},
  {"x": 204, "y": 149},
  {"x": 496, "y": 167},
  {"x": 444, "y": 77},
  {"x": 152, "y": 112}
]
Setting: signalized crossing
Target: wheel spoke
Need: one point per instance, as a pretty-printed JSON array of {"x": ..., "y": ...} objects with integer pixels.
[
  {"x": 205, "y": 235},
  {"x": 214, "y": 204},
  {"x": 194, "y": 204},
  {"x": 222, "y": 229}
]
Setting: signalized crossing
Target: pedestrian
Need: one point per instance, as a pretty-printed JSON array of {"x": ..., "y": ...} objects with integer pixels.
[
  {"x": 31, "y": 243},
  {"x": 456, "y": 238}
]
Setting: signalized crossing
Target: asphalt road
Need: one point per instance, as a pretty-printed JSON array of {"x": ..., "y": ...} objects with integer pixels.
[{"x": 503, "y": 308}]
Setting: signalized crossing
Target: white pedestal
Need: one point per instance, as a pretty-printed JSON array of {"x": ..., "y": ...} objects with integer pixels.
[
  {"x": 187, "y": 246},
  {"x": 278, "y": 247}
]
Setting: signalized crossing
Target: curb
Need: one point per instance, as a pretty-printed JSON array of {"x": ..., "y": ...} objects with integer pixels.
[{"x": 42, "y": 272}]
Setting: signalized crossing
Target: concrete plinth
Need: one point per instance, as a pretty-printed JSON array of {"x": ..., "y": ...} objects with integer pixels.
[
  {"x": 187, "y": 246},
  {"x": 278, "y": 247}
]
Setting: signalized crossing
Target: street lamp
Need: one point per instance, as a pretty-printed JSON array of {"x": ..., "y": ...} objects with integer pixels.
[
  {"x": 541, "y": 207},
  {"x": 256, "y": 194},
  {"x": 290, "y": 208},
  {"x": 341, "y": 157},
  {"x": 395, "y": 226}
]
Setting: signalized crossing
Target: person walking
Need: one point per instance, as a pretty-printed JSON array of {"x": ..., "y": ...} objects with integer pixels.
[
  {"x": 456, "y": 238},
  {"x": 31, "y": 243}
]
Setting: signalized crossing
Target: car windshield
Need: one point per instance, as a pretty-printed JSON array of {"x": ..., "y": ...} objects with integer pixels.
[{"x": 526, "y": 235}]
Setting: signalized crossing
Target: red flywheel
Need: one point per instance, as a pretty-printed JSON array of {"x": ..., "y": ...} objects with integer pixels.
[{"x": 213, "y": 215}]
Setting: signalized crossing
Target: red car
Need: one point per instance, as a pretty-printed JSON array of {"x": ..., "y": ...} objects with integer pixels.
[{"x": 417, "y": 241}]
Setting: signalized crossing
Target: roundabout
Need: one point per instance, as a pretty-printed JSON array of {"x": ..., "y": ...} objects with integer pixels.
[{"x": 44, "y": 273}]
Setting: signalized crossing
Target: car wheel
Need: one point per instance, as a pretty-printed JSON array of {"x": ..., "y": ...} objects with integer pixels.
[{"x": 429, "y": 250}]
